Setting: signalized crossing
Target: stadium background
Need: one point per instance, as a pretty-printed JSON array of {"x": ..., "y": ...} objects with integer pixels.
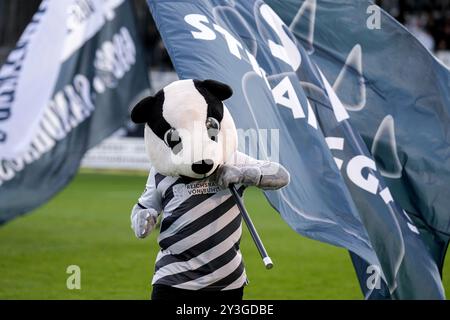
[{"x": 87, "y": 224}]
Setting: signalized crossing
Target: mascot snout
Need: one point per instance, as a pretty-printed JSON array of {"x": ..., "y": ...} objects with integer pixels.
[{"x": 203, "y": 167}]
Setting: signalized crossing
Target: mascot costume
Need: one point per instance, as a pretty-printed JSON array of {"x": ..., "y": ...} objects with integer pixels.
[{"x": 191, "y": 140}]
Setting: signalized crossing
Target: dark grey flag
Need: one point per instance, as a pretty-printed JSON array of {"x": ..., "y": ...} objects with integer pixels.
[{"x": 67, "y": 85}]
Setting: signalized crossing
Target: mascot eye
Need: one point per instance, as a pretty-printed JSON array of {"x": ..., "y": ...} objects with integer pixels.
[
  {"x": 213, "y": 127},
  {"x": 173, "y": 140}
]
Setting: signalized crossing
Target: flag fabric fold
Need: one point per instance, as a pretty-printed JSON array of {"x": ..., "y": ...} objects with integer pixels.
[{"x": 398, "y": 97}]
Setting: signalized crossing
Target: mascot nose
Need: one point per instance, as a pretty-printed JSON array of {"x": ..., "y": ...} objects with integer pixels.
[{"x": 202, "y": 167}]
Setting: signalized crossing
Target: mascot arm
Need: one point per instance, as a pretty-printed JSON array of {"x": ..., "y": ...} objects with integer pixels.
[
  {"x": 145, "y": 213},
  {"x": 243, "y": 169}
]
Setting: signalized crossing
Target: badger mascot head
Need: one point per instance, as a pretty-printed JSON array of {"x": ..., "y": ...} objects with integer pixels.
[{"x": 188, "y": 130}]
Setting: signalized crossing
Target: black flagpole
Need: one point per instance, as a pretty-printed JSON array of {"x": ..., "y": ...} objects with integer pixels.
[{"x": 262, "y": 251}]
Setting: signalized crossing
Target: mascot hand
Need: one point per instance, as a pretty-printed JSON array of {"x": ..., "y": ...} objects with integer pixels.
[
  {"x": 264, "y": 175},
  {"x": 143, "y": 221},
  {"x": 229, "y": 174}
]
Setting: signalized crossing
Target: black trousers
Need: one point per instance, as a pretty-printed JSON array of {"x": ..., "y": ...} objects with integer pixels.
[{"x": 167, "y": 293}]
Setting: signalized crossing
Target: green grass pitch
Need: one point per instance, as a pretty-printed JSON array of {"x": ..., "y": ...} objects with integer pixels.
[{"x": 88, "y": 225}]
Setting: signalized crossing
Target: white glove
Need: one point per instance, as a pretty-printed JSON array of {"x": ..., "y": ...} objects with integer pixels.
[
  {"x": 143, "y": 221},
  {"x": 262, "y": 174},
  {"x": 229, "y": 174}
]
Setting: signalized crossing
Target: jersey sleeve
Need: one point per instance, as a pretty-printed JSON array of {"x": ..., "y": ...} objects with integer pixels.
[{"x": 151, "y": 197}]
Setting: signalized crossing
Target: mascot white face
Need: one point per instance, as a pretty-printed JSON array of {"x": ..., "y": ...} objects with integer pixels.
[{"x": 188, "y": 130}]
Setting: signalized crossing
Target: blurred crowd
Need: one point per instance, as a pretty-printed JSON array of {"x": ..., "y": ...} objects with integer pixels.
[{"x": 428, "y": 20}]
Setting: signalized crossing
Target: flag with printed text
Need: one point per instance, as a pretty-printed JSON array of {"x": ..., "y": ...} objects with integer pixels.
[
  {"x": 68, "y": 84},
  {"x": 337, "y": 194}
]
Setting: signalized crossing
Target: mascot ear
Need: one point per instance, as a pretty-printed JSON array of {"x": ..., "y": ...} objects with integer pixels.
[
  {"x": 143, "y": 111},
  {"x": 218, "y": 89}
]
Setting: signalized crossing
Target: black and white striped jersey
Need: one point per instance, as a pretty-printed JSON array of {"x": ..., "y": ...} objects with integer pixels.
[{"x": 200, "y": 234}]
